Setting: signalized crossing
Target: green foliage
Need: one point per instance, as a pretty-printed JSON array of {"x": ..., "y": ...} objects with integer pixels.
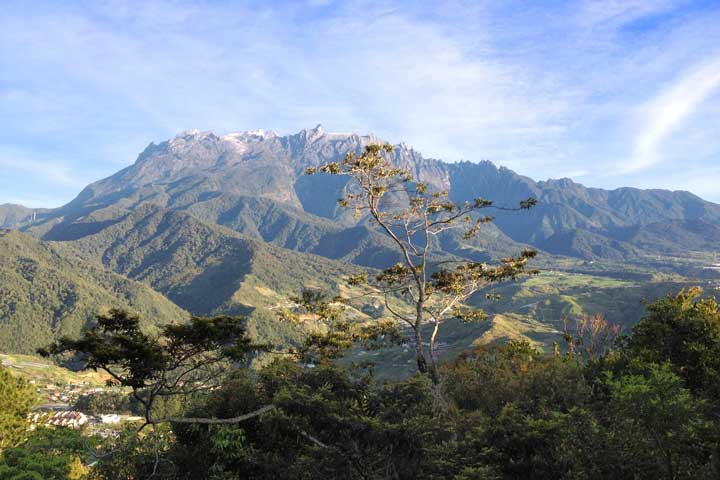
[
  {"x": 48, "y": 454},
  {"x": 515, "y": 373},
  {"x": 47, "y": 291},
  {"x": 184, "y": 359},
  {"x": 132, "y": 455},
  {"x": 17, "y": 397},
  {"x": 513, "y": 412},
  {"x": 336, "y": 334},
  {"x": 656, "y": 426},
  {"x": 684, "y": 330},
  {"x": 330, "y": 424},
  {"x": 103, "y": 402}
]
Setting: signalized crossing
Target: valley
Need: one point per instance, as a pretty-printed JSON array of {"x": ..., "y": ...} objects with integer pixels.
[{"x": 231, "y": 225}]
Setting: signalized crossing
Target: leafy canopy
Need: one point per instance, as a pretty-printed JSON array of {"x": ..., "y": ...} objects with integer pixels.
[
  {"x": 17, "y": 397},
  {"x": 181, "y": 360}
]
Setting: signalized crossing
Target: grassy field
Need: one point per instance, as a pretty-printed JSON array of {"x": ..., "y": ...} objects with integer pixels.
[
  {"x": 43, "y": 372},
  {"x": 535, "y": 309}
]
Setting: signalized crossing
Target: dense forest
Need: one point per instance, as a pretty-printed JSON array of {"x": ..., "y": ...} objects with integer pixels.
[
  {"x": 359, "y": 240},
  {"x": 645, "y": 406},
  {"x": 210, "y": 398}
]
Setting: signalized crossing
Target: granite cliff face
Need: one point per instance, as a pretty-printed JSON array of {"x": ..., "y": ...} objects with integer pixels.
[{"x": 254, "y": 183}]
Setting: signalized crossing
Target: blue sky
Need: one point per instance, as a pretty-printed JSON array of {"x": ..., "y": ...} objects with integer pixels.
[{"x": 610, "y": 93}]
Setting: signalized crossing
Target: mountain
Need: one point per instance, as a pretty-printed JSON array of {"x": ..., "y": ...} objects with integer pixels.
[
  {"x": 206, "y": 269},
  {"x": 589, "y": 223},
  {"x": 231, "y": 224},
  {"x": 254, "y": 183},
  {"x": 46, "y": 291},
  {"x": 14, "y": 215},
  {"x": 158, "y": 262}
]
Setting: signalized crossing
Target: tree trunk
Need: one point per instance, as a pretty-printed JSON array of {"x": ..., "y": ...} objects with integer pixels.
[
  {"x": 422, "y": 364},
  {"x": 419, "y": 350},
  {"x": 440, "y": 403},
  {"x": 434, "y": 373}
]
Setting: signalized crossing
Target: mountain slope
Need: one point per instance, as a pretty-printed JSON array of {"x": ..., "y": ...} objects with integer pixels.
[
  {"x": 230, "y": 224},
  {"x": 46, "y": 290},
  {"x": 205, "y": 268},
  {"x": 12, "y": 216},
  {"x": 201, "y": 267},
  {"x": 573, "y": 220},
  {"x": 253, "y": 182}
]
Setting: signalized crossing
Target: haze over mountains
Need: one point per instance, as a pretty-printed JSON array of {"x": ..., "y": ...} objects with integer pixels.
[{"x": 230, "y": 224}]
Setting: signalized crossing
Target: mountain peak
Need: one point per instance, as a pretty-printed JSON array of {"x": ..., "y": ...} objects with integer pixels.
[
  {"x": 191, "y": 133},
  {"x": 192, "y": 136},
  {"x": 258, "y": 133},
  {"x": 312, "y": 134}
]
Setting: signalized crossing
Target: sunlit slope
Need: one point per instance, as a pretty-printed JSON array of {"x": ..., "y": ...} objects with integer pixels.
[{"x": 46, "y": 291}]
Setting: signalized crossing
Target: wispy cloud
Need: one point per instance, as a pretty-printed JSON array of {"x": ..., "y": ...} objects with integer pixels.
[
  {"x": 615, "y": 13},
  {"x": 549, "y": 88},
  {"x": 670, "y": 109},
  {"x": 36, "y": 180},
  {"x": 48, "y": 171}
]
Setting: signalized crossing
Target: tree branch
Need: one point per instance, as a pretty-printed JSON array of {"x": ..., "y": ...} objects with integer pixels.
[{"x": 217, "y": 421}]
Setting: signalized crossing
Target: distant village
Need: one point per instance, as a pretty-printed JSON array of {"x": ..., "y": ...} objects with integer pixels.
[
  {"x": 60, "y": 400},
  {"x": 96, "y": 424},
  {"x": 59, "y": 410},
  {"x": 60, "y": 397}
]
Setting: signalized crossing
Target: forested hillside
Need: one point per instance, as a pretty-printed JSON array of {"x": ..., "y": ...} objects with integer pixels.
[
  {"x": 225, "y": 224},
  {"x": 46, "y": 291}
]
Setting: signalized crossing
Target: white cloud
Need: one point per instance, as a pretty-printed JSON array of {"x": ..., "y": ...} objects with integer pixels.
[
  {"x": 546, "y": 89},
  {"x": 47, "y": 171},
  {"x": 669, "y": 109},
  {"x": 615, "y": 13}
]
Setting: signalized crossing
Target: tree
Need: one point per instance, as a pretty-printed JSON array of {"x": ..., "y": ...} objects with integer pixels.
[
  {"x": 491, "y": 377},
  {"x": 412, "y": 216},
  {"x": 48, "y": 454},
  {"x": 103, "y": 402},
  {"x": 590, "y": 336},
  {"x": 136, "y": 455},
  {"x": 683, "y": 329},
  {"x": 650, "y": 426},
  {"x": 182, "y": 360},
  {"x": 17, "y": 397},
  {"x": 331, "y": 423}
]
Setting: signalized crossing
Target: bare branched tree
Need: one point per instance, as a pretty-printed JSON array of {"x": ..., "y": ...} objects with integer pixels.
[
  {"x": 590, "y": 335},
  {"x": 413, "y": 216}
]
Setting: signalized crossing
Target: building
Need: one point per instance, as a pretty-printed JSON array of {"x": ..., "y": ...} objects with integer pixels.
[{"x": 69, "y": 419}]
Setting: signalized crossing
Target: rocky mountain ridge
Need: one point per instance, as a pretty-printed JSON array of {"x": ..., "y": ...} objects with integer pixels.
[
  {"x": 231, "y": 224},
  {"x": 201, "y": 172}
]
